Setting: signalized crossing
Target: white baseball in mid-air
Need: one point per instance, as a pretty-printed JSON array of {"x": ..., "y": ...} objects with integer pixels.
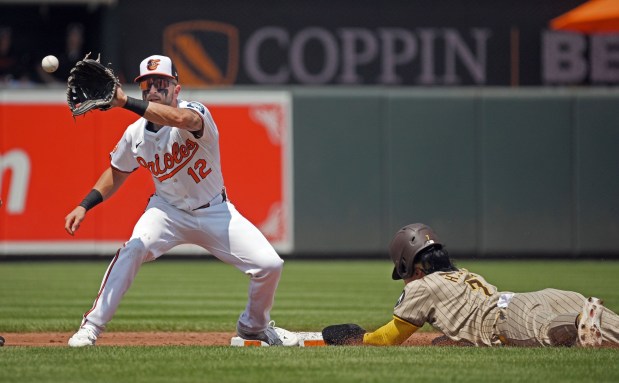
[{"x": 49, "y": 63}]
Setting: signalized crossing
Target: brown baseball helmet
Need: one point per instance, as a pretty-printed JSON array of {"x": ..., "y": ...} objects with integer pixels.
[{"x": 406, "y": 244}]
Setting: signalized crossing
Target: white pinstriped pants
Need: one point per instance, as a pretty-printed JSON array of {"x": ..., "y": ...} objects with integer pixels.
[
  {"x": 530, "y": 317},
  {"x": 220, "y": 229}
]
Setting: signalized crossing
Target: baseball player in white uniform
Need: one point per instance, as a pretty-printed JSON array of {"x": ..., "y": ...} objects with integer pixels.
[{"x": 178, "y": 143}]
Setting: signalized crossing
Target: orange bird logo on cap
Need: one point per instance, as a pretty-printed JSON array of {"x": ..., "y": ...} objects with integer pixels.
[{"x": 152, "y": 64}]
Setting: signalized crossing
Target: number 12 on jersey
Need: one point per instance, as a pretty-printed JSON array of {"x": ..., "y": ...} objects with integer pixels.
[{"x": 199, "y": 171}]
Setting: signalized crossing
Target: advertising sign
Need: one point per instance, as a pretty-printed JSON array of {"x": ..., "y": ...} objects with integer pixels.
[{"x": 49, "y": 161}]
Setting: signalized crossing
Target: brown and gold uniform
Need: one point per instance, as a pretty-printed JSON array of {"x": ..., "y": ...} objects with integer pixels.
[{"x": 465, "y": 307}]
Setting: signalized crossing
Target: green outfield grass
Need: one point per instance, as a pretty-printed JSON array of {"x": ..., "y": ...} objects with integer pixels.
[
  {"x": 321, "y": 364},
  {"x": 209, "y": 295}
]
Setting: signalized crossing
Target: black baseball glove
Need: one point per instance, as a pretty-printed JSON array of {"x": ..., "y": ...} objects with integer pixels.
[
  {"x": 343, "y": 334},
  {"x": 91, "y": 85}
]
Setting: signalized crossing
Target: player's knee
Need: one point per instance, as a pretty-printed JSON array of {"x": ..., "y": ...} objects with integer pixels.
[
  {"x": 274, "y": 265},
  {"x": 270, "y": 266},
  {"x": 136, "y": 250}
]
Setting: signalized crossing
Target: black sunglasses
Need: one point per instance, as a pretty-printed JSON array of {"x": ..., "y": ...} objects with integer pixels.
[{"x": 159, "y": 83}]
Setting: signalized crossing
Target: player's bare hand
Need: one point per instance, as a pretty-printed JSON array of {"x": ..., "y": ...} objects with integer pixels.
[
  {"x": 73, "y": 220},
  {"x": 120, "y": 98}
]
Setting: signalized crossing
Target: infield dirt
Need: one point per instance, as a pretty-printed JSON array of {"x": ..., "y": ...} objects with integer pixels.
[
  {"x": 43, "y": 339},
  {"x": 39, "y": 339}
]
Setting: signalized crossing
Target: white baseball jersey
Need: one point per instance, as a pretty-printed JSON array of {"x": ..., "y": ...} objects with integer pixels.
[
  {"x": 186, "y": 170},
  {"x": 187, "y": 175}
]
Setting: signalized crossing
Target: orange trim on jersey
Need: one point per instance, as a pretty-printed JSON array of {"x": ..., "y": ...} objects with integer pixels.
[
  {"x": 179, "y": 167},
  {"x": 184, "y": 152}
]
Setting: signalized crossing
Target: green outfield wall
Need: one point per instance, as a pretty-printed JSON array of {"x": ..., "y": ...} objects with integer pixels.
[{"x": 495, "y": 171}]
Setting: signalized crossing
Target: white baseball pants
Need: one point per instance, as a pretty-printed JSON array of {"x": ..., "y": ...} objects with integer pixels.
[{"x": 220, "y": 229}]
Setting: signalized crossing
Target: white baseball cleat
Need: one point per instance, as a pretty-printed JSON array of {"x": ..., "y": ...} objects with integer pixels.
[
  {"x": 288, "y": 338},
  {"x": 589, "y": 329},
  {"x": 271, "y": 336},
  {"x": 83, "y": 337}
]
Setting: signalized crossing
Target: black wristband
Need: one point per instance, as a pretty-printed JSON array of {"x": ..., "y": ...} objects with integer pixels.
[
  {"x": 92, "y": 199},
  {"x": 136, "y": 106}
]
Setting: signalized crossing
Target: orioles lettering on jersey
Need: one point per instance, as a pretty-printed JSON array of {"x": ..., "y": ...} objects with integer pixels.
[{"x": 171, "y": 163}]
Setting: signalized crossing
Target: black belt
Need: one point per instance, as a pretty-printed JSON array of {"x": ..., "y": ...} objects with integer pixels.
[{"x": 224, "y": 198}]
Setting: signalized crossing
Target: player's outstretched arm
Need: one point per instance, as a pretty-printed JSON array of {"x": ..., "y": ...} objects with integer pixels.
[
  {"x": 391, "y": 334},
  {"x": 106, "y": 186},
  {"x": 160, "y": 114}
]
